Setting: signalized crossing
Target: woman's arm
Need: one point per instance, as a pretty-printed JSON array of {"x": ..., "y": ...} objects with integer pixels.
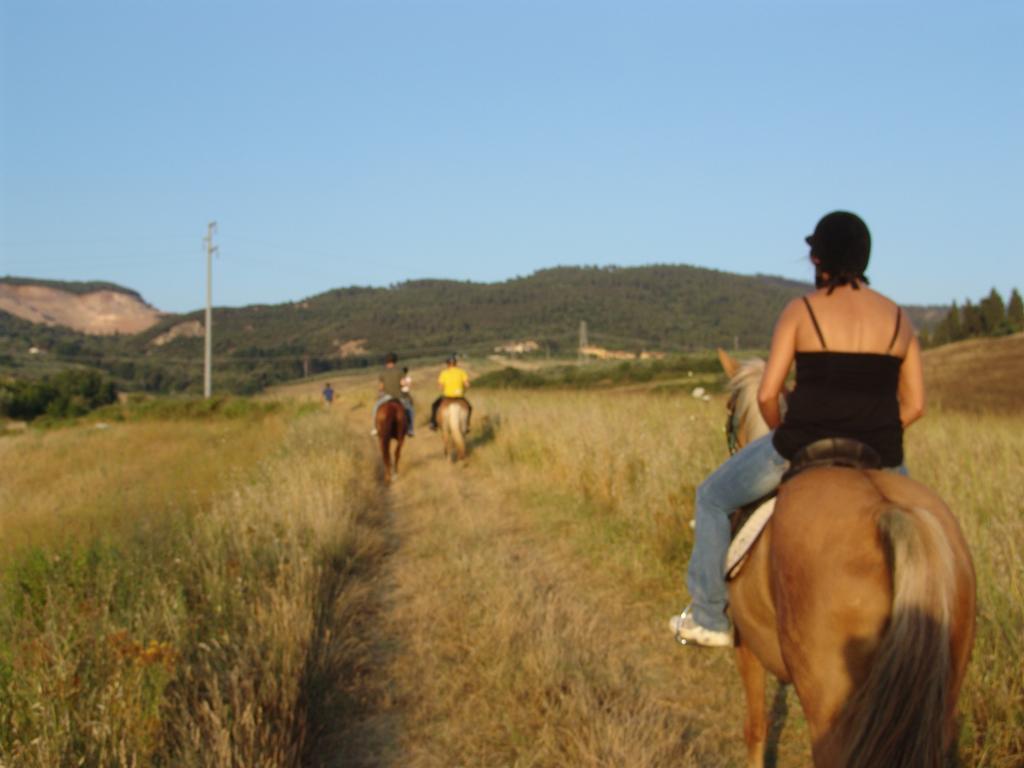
[
  {"x": 911, "y": 385},
  {"x": 780, "y": 358}
]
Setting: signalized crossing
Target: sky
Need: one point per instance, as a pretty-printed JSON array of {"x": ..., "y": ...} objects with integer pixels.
[{"x": 370, "y": 142}]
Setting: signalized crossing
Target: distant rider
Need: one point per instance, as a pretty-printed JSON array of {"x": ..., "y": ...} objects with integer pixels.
[
  {"x": 453, "y": 382},
  {"x": 407, "y": 397},
  {"x": 389, "y": 385}
]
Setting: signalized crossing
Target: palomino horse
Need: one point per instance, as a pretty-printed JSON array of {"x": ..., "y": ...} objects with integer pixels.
[
  {"x": 745, "y": 421},
  {"x": 391, "y": 425},
  {"x": 861, "y": 593},
  {"x": 453, "y": 415}
]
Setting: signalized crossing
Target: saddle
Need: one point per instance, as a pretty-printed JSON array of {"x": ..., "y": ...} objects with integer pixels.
[
  {"x": 748, "y": 522},
  {"x": 833, "y": 452}
]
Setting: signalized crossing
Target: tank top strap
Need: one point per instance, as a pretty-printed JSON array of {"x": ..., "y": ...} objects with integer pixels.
[
  {"x": 814, "y": 320},
  {"x": 896, "y": 331}
]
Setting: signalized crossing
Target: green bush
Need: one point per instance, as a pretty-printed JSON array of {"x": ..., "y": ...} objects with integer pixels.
[
  {"x": 597, "y": 374},
  {"x": 510, "y": 378},
  {"x": 176, "y": 408},
  {"x": 64, "y": 395}
]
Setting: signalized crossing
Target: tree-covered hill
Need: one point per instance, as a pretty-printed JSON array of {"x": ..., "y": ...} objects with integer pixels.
[
  {"x": 670, "y": 308},
  {"x": 659, "y": 307}
]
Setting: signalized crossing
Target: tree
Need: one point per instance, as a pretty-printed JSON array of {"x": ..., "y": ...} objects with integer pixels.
[
  {"x": 953, "y": 325},
  {"x": 971, "y": 323},
  {"x": 993, "y": 314},
  {"x": 1015, "y": 312}
]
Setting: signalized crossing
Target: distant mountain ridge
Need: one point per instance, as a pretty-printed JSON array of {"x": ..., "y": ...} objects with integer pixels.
[{"x": 669, "y": 308}]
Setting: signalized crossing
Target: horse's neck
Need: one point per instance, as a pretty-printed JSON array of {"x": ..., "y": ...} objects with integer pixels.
[{"x": 746, "y": 383}]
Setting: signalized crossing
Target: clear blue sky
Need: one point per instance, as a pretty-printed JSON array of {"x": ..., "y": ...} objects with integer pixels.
[{"x": 371, "y": 142}]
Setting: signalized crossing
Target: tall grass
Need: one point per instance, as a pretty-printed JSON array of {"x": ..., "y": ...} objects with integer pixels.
[
  {"x": 974, "y": 462},
  {"x": 628, "y": 464},
  {"x": 616, "y": 474},
  {"x": 201, "y": 590},
  {"x": 191, "y": 631}
]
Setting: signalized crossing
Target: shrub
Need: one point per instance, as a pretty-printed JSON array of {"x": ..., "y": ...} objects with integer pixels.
[{"x": 67, "y": 394}]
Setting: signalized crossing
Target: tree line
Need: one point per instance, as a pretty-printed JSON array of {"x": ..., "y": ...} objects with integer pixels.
[
  {"x": 991, "y": 316},
  {"x": 67, "y": 394}
]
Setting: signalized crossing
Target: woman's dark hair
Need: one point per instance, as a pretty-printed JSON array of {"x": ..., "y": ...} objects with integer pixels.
[
  {"x": 841, "y": 245},
  {"x": 391, "y": 357}
]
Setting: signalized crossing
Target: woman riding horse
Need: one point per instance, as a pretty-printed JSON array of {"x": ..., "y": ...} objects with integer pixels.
[{"x": 858, "y": 375}]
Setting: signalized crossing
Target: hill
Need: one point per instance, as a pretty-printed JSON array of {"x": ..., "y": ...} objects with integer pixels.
[
  {"x": 977, "y": 375},
  {"x": 91, "y": 308},
  {"x": 669, "y": 308}
]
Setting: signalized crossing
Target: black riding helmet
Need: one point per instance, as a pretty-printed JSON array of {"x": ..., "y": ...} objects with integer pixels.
[{"x": 841, "y": 243}]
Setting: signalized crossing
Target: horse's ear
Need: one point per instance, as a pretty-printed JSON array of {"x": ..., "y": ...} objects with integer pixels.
[{"x": 730, "y": 366}]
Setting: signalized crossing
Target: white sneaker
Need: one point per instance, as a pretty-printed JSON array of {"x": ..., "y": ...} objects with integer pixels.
[{"x": 687, "y": 631}]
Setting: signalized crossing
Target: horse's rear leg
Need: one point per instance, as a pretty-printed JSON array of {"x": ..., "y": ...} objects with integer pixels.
[
  {"x": 398, "y": 452},
  {"x": 460, "y": 444},
  {"x": 385, "y": 454},
  {"x": 755, "y": 726}
]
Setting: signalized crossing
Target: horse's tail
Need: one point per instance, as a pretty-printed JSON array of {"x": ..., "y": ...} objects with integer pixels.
[{"x": 897, "y": 717}]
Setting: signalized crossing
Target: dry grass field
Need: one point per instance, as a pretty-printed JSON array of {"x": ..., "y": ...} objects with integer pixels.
[
  {"x": 172, "y": 591},
  {"x": 245, "y": 592},
  {"x": 978, "y": 375}
]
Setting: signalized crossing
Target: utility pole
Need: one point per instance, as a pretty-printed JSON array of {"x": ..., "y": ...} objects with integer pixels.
[
  {"x": 208, "y": 360},
  {"x": 584, "y": 342}
]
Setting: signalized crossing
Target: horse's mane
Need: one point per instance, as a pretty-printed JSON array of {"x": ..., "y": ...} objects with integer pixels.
[{"x": 744, "y": 386}]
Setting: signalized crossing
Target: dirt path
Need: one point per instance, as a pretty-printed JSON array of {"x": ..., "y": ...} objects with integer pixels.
[{"x": 498, "y": 645}]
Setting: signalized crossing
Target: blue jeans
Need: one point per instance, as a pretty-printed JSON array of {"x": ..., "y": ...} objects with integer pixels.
[
  {"x": 752, "y": 472},
  {"x": 408, "y": 411},
  {"x": 749, "y": 474}
]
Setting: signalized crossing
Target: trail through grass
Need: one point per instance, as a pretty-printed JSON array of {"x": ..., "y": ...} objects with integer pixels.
[{"x": 518, "y": 630}]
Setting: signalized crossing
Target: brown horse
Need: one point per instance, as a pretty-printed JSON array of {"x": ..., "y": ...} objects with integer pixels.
[
  {"x": 392, "y": 424},
  {"x": 861, "y": 593}
]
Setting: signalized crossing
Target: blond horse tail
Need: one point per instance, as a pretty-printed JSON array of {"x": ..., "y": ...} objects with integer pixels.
[{"x": 897, "y": 717}]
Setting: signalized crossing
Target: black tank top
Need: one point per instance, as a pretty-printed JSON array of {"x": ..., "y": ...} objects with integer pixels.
[{"x": 844, "y": 394}]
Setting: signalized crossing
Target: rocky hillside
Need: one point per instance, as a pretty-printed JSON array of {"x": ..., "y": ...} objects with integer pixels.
[{"x": 102, "y": 311}]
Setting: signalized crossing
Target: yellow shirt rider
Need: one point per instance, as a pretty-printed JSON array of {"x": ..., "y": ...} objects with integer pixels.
[{"x": 453, "y": 382}]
